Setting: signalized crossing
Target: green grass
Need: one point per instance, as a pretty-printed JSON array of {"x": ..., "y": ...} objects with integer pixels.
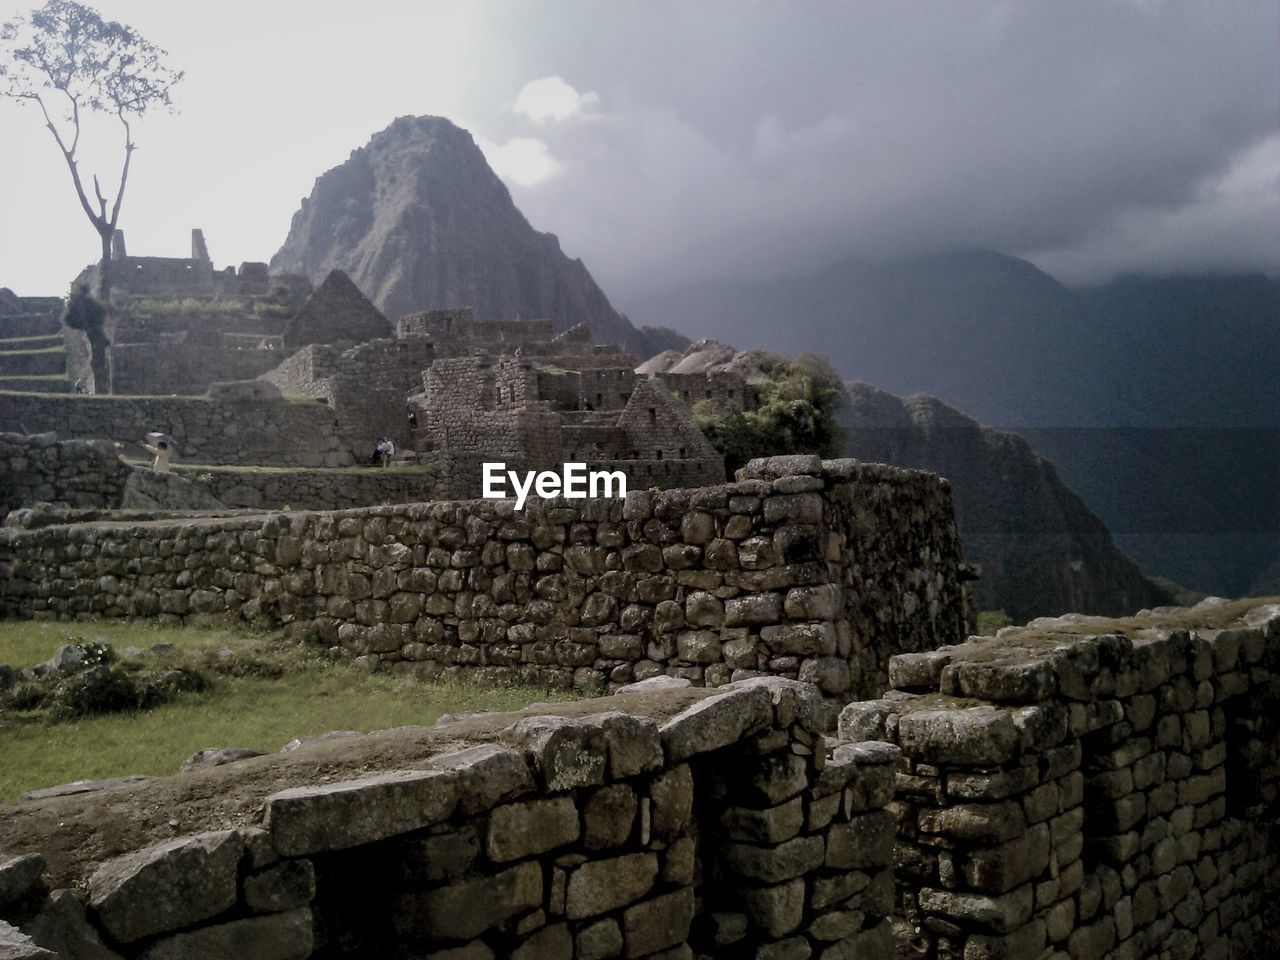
[{"x": 246, "y": 706}]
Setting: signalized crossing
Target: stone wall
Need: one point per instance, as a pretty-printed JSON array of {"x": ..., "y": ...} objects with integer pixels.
[
  {"x": 74, "y": 473},
  {"x": 800, "y": 569},
  {"x": 340, "y": 489},
  {"x": 274, "y": 432},
  {"x": 366, "y": 385},
  {"x": 184, "y": 368},
  {"x": 727, "y": 830},
  {"x": 727, "y": 390},
  {"x": 1087, "y": 788}
]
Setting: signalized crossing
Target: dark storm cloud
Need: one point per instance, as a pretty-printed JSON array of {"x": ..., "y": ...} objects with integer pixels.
[{"x": 747, "y": 138}]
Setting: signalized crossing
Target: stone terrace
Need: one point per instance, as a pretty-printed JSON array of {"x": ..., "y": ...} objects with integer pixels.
[{"x": 806, "y": 569}]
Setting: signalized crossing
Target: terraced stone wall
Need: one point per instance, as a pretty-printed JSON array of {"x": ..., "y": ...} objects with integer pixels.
[
  {"x": 275, "y": 432},
  {"x": 76, "y": 473},
  {"x": 1077, "y": 792},
  {"x": 730, "y": 831},
  {"x": 805, "y": 569}
]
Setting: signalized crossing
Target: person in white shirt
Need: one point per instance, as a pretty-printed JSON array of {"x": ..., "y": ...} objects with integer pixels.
[{"x": 161, "y": 453}]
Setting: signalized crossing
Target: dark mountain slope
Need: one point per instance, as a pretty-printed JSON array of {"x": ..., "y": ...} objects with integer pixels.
[
  {"x": 1157, "y": 399},
  {"x": 1041, "y": 550}
]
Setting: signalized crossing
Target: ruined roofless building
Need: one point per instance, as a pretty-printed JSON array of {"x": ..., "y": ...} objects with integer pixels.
[{"x": 178, "y": 324}]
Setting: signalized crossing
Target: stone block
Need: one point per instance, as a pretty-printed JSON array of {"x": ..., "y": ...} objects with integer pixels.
[
  {"x": 276, "y": 936},
  {"x": 975, "y": 736},
  {"x": 862, "y": 842},
  {"x": 168, "y": 886},
  {"x": 465, "y": 910},
  {"x": 439, "y": 857},
  {"x": 565, "y": 752},
  {"x": 634, "y": 742},
  {"x": 1002, "y": 914},
  {"x": 62, "y": 926},
  {"x": 1000, "y": 681},
  {"x": 599, "y": 940},
  {"x": 336, "y": 816},
  {"x": 288, "y": 884},
  {"x": 600, "y": 886},
  {"x": 769, "y": 825},
  {"x": 753, "y": 610},
  {"x": 776, "y": 910},
  {"x": 19, "y": 878},
  {"x": 716, "y": 722},
  {"x": 980, "y": 822},
  {"x": 657, "y": 924},
  {"x": 671, "y": 803},
  {"x": 549, "y": 943},
  {"x": 489, "y": 774},
  {"x": 774, "y": 864},
  {"x": 1001, "y": 869},
  {"x": 1025, "y": 944},
  {"x": 519, "y": 830},
  {"x": 875, "y": 943},
  {"x": 16, "y": 945},
  {"x": 609, "y": 816}
]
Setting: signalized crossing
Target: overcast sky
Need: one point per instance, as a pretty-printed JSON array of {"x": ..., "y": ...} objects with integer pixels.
[{"x": 667, "y": 142}]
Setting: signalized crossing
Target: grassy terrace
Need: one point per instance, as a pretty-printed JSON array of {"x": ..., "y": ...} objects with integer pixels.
[{"x": 262, "y": 690}]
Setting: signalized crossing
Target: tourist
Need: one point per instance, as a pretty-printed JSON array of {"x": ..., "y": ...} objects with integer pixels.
[
  {"x": 385, "y": 451},
  {"x": 78, "y": 386},
  {"x": 161, "y": 452}
]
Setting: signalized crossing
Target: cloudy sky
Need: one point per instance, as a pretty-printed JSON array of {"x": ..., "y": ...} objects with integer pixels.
[{"x": 668, "y": 142}]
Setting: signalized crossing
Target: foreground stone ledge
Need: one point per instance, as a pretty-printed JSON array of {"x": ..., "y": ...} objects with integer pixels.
[
  {"x": 278, "y": 936},
  {"x": 167, "y": 887},
  {"x": 305, "y": 820},
  {"x": 717, "y": 722}
]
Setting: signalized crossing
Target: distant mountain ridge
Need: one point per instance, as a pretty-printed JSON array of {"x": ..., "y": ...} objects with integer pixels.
[
  {"x": 419, "y": 221},
  {"x": 1041, "y": 550},
  {"x": 1185, "y": 365}
]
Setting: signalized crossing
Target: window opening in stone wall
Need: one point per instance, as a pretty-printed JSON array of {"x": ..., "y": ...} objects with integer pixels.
[{"x": 653, "y": 416}]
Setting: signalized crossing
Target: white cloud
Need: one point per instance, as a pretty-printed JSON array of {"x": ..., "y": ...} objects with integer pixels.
[
  {"x": 551, "y": 98},
  {"x": 522, "y": 160},
  {"x": 1228, "y": 221}
]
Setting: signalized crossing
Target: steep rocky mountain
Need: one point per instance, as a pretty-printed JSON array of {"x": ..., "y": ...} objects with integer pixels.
[
  {"x": 419, "y": 221},
  {"x": 1156, "y": 399},
  {"x": 1041, "y": 550}
]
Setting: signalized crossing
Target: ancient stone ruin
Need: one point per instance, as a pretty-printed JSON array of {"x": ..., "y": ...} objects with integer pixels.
[
  {"x": 795, "y": 750},
  {"x": 1076, "y": 788}
]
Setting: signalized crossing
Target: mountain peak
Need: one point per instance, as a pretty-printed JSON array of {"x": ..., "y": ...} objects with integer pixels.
[{"x": 420, "y": 221}]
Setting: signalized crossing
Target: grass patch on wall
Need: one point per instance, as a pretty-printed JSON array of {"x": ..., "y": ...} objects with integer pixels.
[{"x": 263, "y": 690}]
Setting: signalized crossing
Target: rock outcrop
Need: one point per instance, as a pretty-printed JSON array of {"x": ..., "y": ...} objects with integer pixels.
[{"x": 419, "y": 221}]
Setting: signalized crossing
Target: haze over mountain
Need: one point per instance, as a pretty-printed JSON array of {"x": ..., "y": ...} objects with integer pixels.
[
  {"x": 419, "y": 221},
  {"x": 1157, "y": 399}
]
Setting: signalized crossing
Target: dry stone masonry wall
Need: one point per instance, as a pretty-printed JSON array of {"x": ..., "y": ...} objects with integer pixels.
[
  {"x": 730, "y": 830},
  {"x": 274, "y": 432},
  {"x": 774, "y": 574},
  {"x": 1079, "y": 796}
]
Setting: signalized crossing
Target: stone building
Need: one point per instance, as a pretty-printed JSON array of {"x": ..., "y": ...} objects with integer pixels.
[
  {"x": 178, "y": 324},
  {"x": 516, "y": 410},
  {"x": 336, "y": 313}
]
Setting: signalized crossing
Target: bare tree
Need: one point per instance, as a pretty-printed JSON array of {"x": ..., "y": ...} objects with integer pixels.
[{"x": 67, "y": 60}]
